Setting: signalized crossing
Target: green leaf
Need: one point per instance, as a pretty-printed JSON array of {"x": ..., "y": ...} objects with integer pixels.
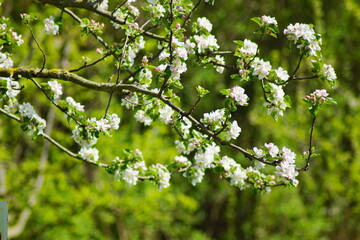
[
  {"x": 225, "y": 92},
  {"x": 256, "y": 20},
  {"x": 239, "y": 43},
  {"x": 202, "y": 91},
  {"x": 330, "y": 101},
  {"x": 287, "y": 100}
]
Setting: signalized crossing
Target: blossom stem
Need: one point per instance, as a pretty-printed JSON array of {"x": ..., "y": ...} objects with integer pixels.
[
  {"x": 310, "y": 150},
  {"x": 39, "y": 47}
]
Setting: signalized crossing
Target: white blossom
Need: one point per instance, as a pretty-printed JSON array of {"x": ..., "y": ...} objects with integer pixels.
[
  {"x": 276, "y": 103},
  {"x": 238, "y": 94},
  {"x": 120, "y": 16},
  {"x": 102, "y": 125},
  {"x": 163, "y": 55},
  {"x": 164, "y": 176},
  {"x": 50, "y": 26},
  {"x": 158, "y": 11},
  {"x": 143, "y": 118},
  {"x": 140, "y": 165},
  {"x": 161, "y": 67},
  {"x": 298, "y": 32},
  {"x": 17, "y": 37},
  {"x": 282, "y": 74},
  {"x": 260, "y": 68},
  {"x": 12, "y": 106},
  {"x": 258, "y": 165},
  {"x": 204, "y": 23},
  {"x": 287, "y": 170},
  {"x": 130, "y": 176},
  {"x": 205, "y": 43},
  {"x": 114, "y": 121},
  {"x": 182, "y": 161},
  {"x": 249, "y": 48},
  {"x": 85, "y": 141},
  {"x": 272, "y": 148},
  {"x": 5, "y": 61},
  {"x": 196, "y": 174},
  {"x": 320, "y": 93},
  {"x": 258, "y": 152},
  {"x": 181, "y": 148},
  {"x": 181, "y": 52},
  {"x": 214, "y": 117},
  {"x": 74, "y": 104},
  {"x": 329, "y": 72},
  {"x": 13, "y": 87},
  {"x": 90, "y": 154},
  {"x": 219, "y": 60},
  {"x": 56, "y": 88},
  {"x": 288, "y": 155},
  {"x": 165, "y": 114},
  {"x": 178, "y": 67},
  {"x": 40, "y": 124},
  {"x": 27, "y": 110},
  {"x": 205, "y": 159},
  {"x": 130, "y": 101},
  {"x": 233, "y": 132},
  {"x": 238, "y": 177},
  {"x": 227, "y": 163},
  {"x": 269, "y": 20}
]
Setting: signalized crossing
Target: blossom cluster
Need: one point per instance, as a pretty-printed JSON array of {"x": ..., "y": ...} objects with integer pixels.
[
  {"x": 316, "y": 99},
  {"x": 285, "y": 162},
  {"x": 132, "y": 167},
  {"x": 304, "y": 37},
  {"x": 33, "y": 123},
  {"x": 8, "y": 36},
  {"x": 276, "y": 101},
  {"x": 153, "y": 78}
]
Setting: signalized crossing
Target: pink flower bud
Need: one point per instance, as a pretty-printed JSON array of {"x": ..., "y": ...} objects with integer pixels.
[
  {"x": 307, "y": 97},
  {"x": 178, "y": 26},
  {"x": 145, "y": 59}
]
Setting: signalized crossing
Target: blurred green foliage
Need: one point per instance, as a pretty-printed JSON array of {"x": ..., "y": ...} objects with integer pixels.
[{"x": 80, "y": 202}]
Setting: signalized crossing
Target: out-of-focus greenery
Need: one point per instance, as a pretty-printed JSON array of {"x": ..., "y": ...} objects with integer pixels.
[{"x": 80, "y": 202}]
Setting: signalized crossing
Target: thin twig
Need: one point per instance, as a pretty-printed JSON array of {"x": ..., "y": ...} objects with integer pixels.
[
  {"x": 190, "y": 14},
  {"x": 74, "y": 16},
  {"x": 54, "y": 142},
  {"x": 93, "y": 63},
  {"x": 296, "y": 69},
  {"x": 55, "y": 104},
  {"x": 109, "y": 87},
  {"x": 193, "y": 108},
  {"x": 310, "y": 150},
  {"x": 39, "y": 47}
]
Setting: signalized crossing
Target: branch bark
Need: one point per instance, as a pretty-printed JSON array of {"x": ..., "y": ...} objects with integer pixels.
[{"x": 84, "y": 4}]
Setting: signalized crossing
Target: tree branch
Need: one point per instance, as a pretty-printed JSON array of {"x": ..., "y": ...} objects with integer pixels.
[
  {"x": 111, "y": 87},
  {"x": 54, "y": 142},
  {"x": 84, "y": 4}
]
